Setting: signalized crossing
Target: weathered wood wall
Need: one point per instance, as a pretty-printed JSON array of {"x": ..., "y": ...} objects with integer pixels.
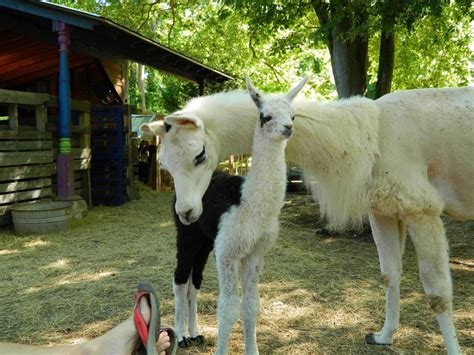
[{"x": 28, "y": 148}]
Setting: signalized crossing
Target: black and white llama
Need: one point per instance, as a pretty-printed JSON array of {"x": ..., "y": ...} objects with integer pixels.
[{"x": 248, "y": 230}]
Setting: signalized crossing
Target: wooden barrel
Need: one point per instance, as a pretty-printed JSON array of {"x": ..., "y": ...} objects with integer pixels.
[{"x": 41, "y": 217}]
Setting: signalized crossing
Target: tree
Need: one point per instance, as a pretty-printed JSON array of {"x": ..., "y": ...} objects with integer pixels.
[{"x": 346, "y": 27}]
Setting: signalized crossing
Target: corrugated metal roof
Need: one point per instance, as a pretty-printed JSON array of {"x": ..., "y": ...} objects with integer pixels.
[{"x": 138, "y": 120}]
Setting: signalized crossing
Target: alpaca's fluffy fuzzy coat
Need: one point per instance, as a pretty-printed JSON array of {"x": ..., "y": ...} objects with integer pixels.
[{"x": 248, "y": 231}]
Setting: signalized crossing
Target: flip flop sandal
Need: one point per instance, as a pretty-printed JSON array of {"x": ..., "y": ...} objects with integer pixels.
[{"x": 149, "y": 334}]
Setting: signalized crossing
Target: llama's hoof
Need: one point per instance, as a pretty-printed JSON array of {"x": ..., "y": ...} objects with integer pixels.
[
  {"x": 370, "y": 339},
  {"x": 199, "y": 339},
  {"x": 184, "y": 343}
]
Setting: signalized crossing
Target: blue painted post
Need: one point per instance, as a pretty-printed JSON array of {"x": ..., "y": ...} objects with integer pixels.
[{"x": 65, "y": 168}]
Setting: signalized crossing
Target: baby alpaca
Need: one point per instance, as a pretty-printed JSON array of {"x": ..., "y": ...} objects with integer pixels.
[
  {"x": 248, "y": 230},
  {"x": 194, "y": 243}
]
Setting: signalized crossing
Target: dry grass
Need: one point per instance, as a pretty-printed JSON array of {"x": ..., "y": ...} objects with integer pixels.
[{"x": 319, "y": 294}]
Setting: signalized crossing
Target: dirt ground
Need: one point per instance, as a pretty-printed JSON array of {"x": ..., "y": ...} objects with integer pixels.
[{"x": 319, "y": 293}]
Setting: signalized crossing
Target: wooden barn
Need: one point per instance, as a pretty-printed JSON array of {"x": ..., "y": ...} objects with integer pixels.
[{"x": 64, "y": 120}]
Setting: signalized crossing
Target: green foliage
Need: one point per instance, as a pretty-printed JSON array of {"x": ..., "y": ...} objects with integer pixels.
[
  {"x": 278, "y": 41},
  {"x": 434, "y": 52}
]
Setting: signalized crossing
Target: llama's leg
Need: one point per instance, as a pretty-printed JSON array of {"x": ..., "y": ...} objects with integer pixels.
[
  {"x": 228, "y": 303},
  {"x": 252, "y": 267},
  {"x": 389, "y": 235},
  {"x": 429, "y": 239},
  {"x": 181, "y": 315},
  {"x": 194, "y": 286},
  {"x": 188, "y": 241}
]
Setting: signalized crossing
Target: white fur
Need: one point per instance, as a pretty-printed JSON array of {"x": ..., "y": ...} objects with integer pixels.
[
  {"x": 249, "y": 230},
  {"x": 402, "y": 160},
  {"x": 185, "y": 317}
]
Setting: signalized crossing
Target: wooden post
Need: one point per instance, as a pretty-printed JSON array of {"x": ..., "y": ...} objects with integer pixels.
[
  {"x": 85, "y": 142},
  {"x": 65, "y": 166},
  {"x": 202, "y": 85},
  {"x": 41, "y": 117},
  {"x": 13, "y": 117}
]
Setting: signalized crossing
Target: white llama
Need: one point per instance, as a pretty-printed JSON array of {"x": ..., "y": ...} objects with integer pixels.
[
  {"x": 401, "y": 160},
  {"x": 248, "y": 230}
]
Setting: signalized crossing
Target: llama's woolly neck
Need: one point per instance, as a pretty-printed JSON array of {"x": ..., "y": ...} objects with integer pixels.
[{"x": 264, "y": 187}]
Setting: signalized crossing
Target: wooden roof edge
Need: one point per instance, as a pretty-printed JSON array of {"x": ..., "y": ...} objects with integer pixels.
[{"x": 91, "y": 22}]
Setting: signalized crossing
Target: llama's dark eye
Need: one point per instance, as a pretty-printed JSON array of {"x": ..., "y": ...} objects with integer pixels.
[
  {"x": 199, "y": 159},
  {"x": 264, "y": 119},
  {"x": 292, "y": 118}
]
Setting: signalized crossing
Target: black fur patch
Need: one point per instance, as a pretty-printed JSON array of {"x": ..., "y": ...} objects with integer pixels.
[
  {"x": 196, "y": 241},
  {"x": 167, "y": 127}
]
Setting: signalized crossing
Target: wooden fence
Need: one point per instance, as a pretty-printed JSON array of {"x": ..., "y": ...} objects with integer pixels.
[{"x": 29, "y": 146}]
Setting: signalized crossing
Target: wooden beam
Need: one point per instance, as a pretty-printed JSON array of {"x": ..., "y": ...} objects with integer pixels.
[
  {"x": 25, "y": 145},
  {"x": 27, "y": 67},
  {"x": 44, "y": 73},
  {"x": 29, "y": 49},
  {"x": 76, "y": 105},
  {"x": 13, "y": 186},
  {"x": 13, "y": 116},
  {"x": 22, "y": 98},
  {"x": 26, "y": 172},
  {"x": 25, "y": 158},
  {"x": 25, "y": 134},
  {"x": 26, "y": 195},
  {"x": 41, "y": 117}
]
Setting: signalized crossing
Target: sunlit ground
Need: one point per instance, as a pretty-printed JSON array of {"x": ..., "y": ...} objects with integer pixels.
[{"x": 319, "y": 294}]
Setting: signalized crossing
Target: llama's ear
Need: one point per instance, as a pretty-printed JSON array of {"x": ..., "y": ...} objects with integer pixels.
[
  {"x": 155, "y": 128},
  {"x": 184, "y": 120},
  {"x": 254, "y": 93},
  {"x": 293, "y": 92}
]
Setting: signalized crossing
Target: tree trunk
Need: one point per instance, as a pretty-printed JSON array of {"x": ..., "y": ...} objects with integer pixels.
[
  {"x": 349, "y": 56},
  {"x": 141, "y": 86},
  {"x": 386, "y": 63},
  {"x": 349, "y": 65}
]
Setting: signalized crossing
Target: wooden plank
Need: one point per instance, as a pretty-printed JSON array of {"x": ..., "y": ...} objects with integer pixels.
[
  {"x": 74, "y": 129},
  {"x": 25, "y": 145},
  {"x": 14, "y": 186},
  {"x": 21, "y": 97},
  {"x": 28, "y": 64},
  {"x": 26, "y": 195},
  {"x": 83, "y": 164},
  {"x": 76, "y": 105},
  {"x": 26, "y": 172},
  {"x": 29, "y": 49},
  {"x": 41, "y": 73},
  {"x": 77, "y": 153},
  {"x": 13, "y": 116},
  {"x": 41, "y": 117},
  {"x": 25, "y": 158},
  {"x": 23, "y": 133}
]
